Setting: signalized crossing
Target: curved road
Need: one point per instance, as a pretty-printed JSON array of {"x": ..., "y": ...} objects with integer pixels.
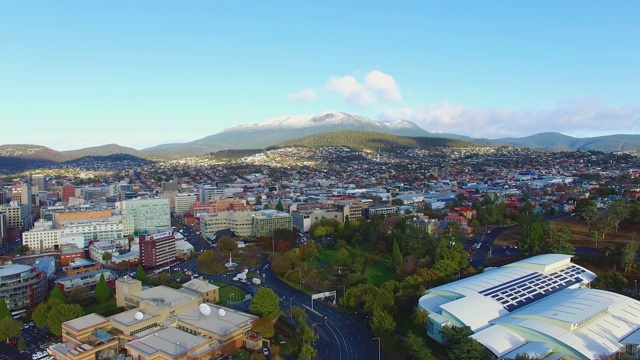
[{"x": 340, "y": 336}]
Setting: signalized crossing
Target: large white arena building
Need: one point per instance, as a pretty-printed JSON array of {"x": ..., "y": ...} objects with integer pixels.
[{"x": 542, "y": 306}]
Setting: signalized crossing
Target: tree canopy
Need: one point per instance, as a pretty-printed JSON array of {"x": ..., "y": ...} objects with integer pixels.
[
  {"x": 141, "y": 275},
  {"x": 266, "y": 303},
  {"x": 102, "y": 292}
]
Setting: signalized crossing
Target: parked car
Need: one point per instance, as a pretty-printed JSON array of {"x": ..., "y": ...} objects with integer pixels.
[{"x": 265, "y": 351}]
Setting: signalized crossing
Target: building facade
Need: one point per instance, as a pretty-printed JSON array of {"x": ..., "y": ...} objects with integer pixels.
[
  {"x": 157, "y": 249},
  {"x": 270, "y": 220},
  {"x": 22, "y": 286},
  {"x": 240, "y": 222},
  {"x": 17, "y": 214},
  {"x": 88, "y": 280},
  {"x": 149, "y": 215},
  {"x": 184, "y": 203}
]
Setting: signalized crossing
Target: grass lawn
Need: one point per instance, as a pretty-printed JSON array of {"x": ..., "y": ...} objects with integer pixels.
[
  {"x": 326, "y": 256},
  {"x": 108, "y": 307},
  {"x": 231, "y": 293},
  {"x": 380, "y": 272}
]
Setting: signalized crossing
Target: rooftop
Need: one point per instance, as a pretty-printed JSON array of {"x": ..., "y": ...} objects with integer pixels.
[
  {"x": 199, "y": 285},
  {"x": 214, "y": 323},
  {"x": 13, "y": 269},
  {"x": 164, "y": 296},
  {"x": 83, "y": 322},
  {"x": 170, "y": 341}
]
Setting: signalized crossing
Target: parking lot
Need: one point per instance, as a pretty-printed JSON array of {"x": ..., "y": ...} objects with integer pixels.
[{"x": 35, "y": 340}]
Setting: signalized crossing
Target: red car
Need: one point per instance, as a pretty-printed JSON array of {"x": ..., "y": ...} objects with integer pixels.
[{"x": 13, "y": 342}]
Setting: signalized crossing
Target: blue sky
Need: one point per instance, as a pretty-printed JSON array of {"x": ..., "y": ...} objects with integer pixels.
[{"x": 85, "y": 73}]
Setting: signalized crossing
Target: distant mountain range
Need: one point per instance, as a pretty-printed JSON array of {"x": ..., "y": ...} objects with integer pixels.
[
  {"x": 276, "y": 130},
  {"x": 280, "y": 130},
  {"x": 18, "y": 158}
]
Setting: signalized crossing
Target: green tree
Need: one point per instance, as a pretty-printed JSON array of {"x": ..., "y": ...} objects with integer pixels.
[
  {"x": 342, "y": 258},
  {"x": 9, "y": 327},
  {"x": 618, "y": 210},
  {"x": 587, "y": 210},
  {"x": 102, "y": 293},
  {"x": 21, "y": 344},
  {"x": 79, "y": 295},
  {"x": 107, "y": 256},
  {"x": 39, "y": 315},
  {"x": 299, "y": 315},
  {"x": 141, "y": 275},
  {"x": 4, "y": 310},
  {"x": 266, "y": 303},
  {"x": 525, "y": 356},
  {"x": 420, "y": 317},
  {"x": 279, "y": 206},
  {"x": 263, "y": 326},
  {"x": 307, "y": 352},
  {"x": 60, "y": 314},
  {"x": 468, "y": 348},
  {"x": 227, "y": 244},
  {"x": 382, "y": 323},
  {"x": 308, "y": 250},
  {"x": 532, "y": 237},
  {"x": 57, "y": 293},
  {"x": 396, "y": 256},
  {"x": 416, "y": 347},
  {"x": 454, "y": 334},
  {"x": 628, "y": 256}
]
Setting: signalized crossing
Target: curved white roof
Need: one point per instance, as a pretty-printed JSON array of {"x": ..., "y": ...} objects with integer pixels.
[
  {"x": 595, "y": 323},
  {"x": 479, "y": 299}
]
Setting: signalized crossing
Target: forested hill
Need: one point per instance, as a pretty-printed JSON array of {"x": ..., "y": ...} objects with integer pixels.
[{"x": 369, "y": 140}]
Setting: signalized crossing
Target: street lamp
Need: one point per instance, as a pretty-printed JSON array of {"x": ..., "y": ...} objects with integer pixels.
[
  {"x": 290, "y": 305},
  {"x": 378, "y": 346}
]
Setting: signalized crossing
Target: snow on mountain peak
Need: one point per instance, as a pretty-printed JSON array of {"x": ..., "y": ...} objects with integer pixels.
[{"x": 323, "y": 118}]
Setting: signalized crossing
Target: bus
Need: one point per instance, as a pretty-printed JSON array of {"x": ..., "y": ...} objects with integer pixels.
[{"x": 18, "y": 313}]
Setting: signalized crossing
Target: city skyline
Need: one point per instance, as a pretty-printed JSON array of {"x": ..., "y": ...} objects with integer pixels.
[{"x": 145, "y": 74}]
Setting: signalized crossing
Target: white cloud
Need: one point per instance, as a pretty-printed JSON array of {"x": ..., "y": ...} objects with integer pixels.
[
  {"x": 305, "y": 95},
  {"x": 375, "y": 87},
  {"x": 580, "y": 118},
  {"x": 383, "y": 85}
]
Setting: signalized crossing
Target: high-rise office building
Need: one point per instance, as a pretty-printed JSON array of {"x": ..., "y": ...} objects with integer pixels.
[
  {"x": 157, "y": 249},
  {"x": 184, "y": 203},
  {"x": 39, "y": 181},
  {"x": 68, "y": 191},
  {"x": 149, "y": 215}
]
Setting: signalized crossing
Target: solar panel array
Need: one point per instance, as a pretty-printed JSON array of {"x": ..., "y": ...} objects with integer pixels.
[{"x": 532, "y": 287}]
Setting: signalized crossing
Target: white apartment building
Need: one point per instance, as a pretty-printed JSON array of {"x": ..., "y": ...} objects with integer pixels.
[
  {"x": 184, "y": 202},
  {"x": 17, "y": 215},
  {"x": 97, "y": 249},
  {"x": 45, "y": 236},
  {"x": 42, "y": 237},
  {"x": 149, "y": 215}
]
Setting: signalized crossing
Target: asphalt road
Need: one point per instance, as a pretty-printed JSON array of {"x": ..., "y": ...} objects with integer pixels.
[
  {"x": 341, "y": 337},
  {"x": 487, "y": 249}
]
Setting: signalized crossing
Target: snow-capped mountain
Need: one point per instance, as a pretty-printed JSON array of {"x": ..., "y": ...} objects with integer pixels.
[
  {"x": 329, "y": 118},
  {"x": 275, "y": 130}
]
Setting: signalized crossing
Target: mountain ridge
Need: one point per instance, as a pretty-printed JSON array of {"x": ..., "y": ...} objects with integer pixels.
[{"x": 287, "y": 128}]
